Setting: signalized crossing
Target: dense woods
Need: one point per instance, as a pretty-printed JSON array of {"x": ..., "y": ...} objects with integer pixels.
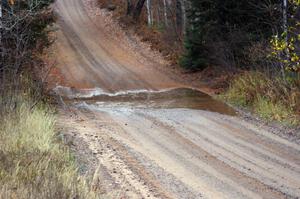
[
  {"x": 223, "y": 32},
  {"x": 233, "y": 34},
  {"x": 213, "y": 32},
  {"x": 259, "y": 38}
]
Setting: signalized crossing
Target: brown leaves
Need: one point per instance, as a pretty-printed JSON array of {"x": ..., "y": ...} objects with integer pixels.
[{"x": 11, "y": 2}]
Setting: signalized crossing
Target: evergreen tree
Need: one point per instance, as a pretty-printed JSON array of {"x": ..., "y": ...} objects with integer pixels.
[
  {"x": 237, "y": 24},
  {"x": 202, "y": 21}
]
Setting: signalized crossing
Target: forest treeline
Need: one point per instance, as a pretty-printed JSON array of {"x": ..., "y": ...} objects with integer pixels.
[
  {"x": 257, "y": 41},
  {"x": 242, "y": 34},
  {"x": 226, "y": 33}
]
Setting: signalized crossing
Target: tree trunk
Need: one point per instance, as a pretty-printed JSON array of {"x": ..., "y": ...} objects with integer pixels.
[
  {"x": 165, "y": 13},
  {"x": 158, "y": 15},
  {"x": 181, "y": 15},
  {"x": 149, "y": 13},
  {"x": 285, "y": 29},
  {"x": 138, "y": 9},
  {"x": 284, "y": 12},
  {"x": 183, "y": 11},
  {"x": 178, "y": 13},
  {"x": 129, "y": 7}
]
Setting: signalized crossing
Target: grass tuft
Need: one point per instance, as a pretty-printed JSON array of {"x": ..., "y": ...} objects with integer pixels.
[
  {"x": 274, "y": 112},
  {"x": 271, "y": 99},
  {"x": 33, "y": 162}
]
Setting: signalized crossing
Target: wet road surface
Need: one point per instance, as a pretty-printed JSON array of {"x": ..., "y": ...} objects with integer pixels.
[{"x": 154, "y": 139}]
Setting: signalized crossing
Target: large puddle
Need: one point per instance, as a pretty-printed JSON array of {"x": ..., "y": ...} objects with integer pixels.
[{"x": 174, "y": 98}]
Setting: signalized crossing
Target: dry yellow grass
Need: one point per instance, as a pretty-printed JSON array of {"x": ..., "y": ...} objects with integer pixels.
[
  {"x": 272, "y": 99},
  {"x": 33, "y": 162}
]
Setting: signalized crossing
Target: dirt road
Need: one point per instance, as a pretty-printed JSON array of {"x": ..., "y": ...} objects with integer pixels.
[
  {"x": 149, "y": 141},
  {"x": 92, "y": 57}
]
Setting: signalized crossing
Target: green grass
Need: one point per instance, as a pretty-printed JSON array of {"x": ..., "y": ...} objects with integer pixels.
[
  {"x": 33, "y": 161},
  {"x": 271, "y": 99},
  {"x": 275, "y": 112}
]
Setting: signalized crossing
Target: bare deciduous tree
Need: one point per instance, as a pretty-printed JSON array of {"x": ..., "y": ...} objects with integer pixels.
[{"x": 17, "y": 42}]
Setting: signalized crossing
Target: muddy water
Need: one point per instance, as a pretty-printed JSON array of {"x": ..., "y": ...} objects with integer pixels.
[{"x": 167, "y": 99}]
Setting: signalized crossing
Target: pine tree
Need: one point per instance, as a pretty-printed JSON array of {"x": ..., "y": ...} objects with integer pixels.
[{"x": 212, "y": 21}]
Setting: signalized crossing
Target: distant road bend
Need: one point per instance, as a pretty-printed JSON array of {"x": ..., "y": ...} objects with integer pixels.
[{"x": 153, "y": 137}]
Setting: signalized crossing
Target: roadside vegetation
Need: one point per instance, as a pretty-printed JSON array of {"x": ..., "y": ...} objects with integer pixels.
[
  {"x": 255, "y": 45},
  {"x": 271, "y": 99},
  {"x": 34, "y": 161}
]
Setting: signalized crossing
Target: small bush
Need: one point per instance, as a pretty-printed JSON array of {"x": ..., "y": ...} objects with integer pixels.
[{"x": 272, "y": 99}]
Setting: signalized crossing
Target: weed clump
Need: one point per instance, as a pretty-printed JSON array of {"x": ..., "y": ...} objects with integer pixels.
[
  {"x": 272, "y": 99},
  {"x": 33, "y": 161}
]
